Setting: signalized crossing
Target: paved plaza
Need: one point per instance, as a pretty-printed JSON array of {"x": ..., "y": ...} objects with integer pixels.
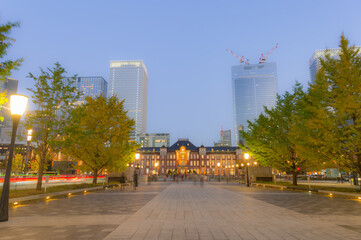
[{"x": 187, "y": 211}]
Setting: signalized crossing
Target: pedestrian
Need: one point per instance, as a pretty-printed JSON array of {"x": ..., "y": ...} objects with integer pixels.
[{"x": 135, "y": 180}]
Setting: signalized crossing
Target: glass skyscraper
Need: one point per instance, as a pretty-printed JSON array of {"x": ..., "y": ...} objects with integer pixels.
[
  {"x": 254, "y": 86},
  {"x": 129, "y": 80},
  {"x": 91, "y": 86},
  {"x": 315, "y": 63}
]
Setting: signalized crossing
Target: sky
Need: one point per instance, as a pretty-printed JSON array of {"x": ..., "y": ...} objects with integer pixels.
[{"x": 183, "y": 46}]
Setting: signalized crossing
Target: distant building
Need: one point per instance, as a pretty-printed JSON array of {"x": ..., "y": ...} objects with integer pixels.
[
  {"x": 226, "y": 139},
  {"x": 186, "y": 158},
  {"x": 11, "y": 87},
  {"x": 315, "y": 63},
  {"x": 91, "y": 86},
  {"x": 254, "y": 86},
  {"x": 154, "y": 139},
  {"x": 129, "y": 80}
]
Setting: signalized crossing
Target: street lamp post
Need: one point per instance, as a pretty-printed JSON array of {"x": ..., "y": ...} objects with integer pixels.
[
  {"x": 30, "y": 131},
  {"x": 246, "y": 156},
  {"x": 219, "y": 174},
  {"x": 17, "y": 107}
]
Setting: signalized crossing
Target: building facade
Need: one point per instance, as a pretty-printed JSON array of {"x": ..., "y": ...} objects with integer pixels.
[
  {"x": 315, "y": 63},
  {"x": 254, "y": 87},
  {"x": 154, "y": 139},
  {"x": 11, "y": 87},
  {"x": 185, "y": 158},
  {"x": 129, "y": 80},
  {"x": 226, "y": 139},
  {"x": 91, "y": 86}
]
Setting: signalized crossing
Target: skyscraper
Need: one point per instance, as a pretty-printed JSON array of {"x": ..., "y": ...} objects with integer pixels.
[
  {"x": 129, "y": 80},
  {"x": 254, "y": 86},
  {"x": 315, "y": 63},
  {"x": 91, "y": 86},
  {"x": 154, "y": 139},
  {"x": 11, "y": 87},
  {"x": 226, "y": 139}
]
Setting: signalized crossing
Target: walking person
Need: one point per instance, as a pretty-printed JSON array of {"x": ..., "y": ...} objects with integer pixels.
[{"x": 135, "y": 181}]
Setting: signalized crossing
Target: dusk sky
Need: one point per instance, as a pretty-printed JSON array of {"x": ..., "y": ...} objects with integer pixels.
[{"x": 183, "y": 46}]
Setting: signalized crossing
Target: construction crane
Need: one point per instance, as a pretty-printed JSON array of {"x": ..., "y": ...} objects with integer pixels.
[
  {"x": 239, "y": 58},
  {"x": 264, "y": 58}
]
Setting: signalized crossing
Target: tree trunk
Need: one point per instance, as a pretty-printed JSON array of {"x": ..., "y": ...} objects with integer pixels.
[
  {"x": 95, "y": 177},
  {"x": 41, "y": 171},
  {"x": 294, "y": 178}
]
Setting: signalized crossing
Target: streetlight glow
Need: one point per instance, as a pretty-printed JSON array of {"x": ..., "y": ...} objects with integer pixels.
[
  {"x": 246, "y": 156},
  {"x": 18, "y": 104},
  {"x": 137, "y": 156},
  {"x": 218, "y": 164}
]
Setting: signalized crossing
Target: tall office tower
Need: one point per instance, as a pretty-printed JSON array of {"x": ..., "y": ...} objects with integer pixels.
[
  {"x": 91, "y": 86},
  {"x": 11, "y": 87},
  {"x": 315, "y": 63},
  {"x": 254, "y": 87},
  {"x": 226, "y": 139},
  {"x": 154, "y": 139},
  {"x": 129, "y": 80}
]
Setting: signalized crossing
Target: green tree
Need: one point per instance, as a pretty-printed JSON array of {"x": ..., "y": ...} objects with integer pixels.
[
  {"x": 53, "y": 95},
  {"x": 271, "y": 139},
  {"x": 334, "y": 109},
  {"x": 97, "y": 134},
  {"x": 6, "y": 66},
  {"x": 18, "y": 162}
]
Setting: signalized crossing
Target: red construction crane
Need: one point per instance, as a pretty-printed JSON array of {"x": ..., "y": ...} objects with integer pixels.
[
  {"x": 264, "y": 58},
  {"x": 239, "y": 58}
]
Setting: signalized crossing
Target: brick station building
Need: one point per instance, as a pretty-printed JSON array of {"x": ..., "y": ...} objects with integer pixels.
[{"x": 185, "y": 157}]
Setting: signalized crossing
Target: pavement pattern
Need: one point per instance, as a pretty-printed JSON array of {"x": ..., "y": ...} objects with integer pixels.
[{"x": 188, "y": 211}]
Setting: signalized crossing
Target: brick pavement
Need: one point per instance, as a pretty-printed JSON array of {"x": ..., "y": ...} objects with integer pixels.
[
  {"x": 187, "y": 211},
  {"x": 86, "y": 216}
]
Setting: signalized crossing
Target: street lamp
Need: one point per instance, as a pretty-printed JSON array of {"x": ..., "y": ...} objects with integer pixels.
[
  {"x": 17, "y": 107},
  {"x": 246, "y": 156},
  {"x": 30, "y": 132},
  {"x": 219, "y": 174}
]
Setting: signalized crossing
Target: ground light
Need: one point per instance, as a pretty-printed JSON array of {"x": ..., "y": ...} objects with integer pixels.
[{"x": 17, "y": 107}]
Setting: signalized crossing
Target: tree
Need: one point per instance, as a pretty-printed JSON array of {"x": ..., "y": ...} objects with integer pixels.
[
  {"x": 97, "y": 134},
  {"x": 270, "y": 138},
  {"x": 18, "y": 162},
  {"x": 53, "y": 95},
  {"x": 334, "y": 112},
  {"x": 6, "y": 66}
]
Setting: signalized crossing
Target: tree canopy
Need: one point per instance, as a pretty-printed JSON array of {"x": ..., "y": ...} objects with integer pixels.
[
  {"x": 318, "y": 128},
  {"x": 53, "y": 95},
  {"x": 6, "y": 66},
  {"x": 97, "y": 134}
]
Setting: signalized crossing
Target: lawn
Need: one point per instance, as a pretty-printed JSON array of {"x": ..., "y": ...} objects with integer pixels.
[{"x": 60, "y": 188}]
